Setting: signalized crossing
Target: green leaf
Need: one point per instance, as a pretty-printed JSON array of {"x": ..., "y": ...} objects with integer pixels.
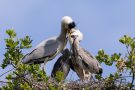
[
  {"x": 59, "y": 76},
  {"x": 3, "y": 65},
  {"x": 115, "y": 57},
  {"x": 11, "y": 33},
  {"x": 25, "y": 42},
  {"x": 9, "y": 77},
  {"x": 126, "y": 40},
  {"x": 101, "y": 52},
  {"x": 130, "y": 85},
  {"x": 98, "y": 77},
  {"x": 51, "y": 87},
  {"x": 132, "y": 45},
  {"x": 128, "y": 64}
]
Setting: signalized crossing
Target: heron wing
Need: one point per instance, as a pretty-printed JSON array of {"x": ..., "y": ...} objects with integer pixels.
[
  {"x": 46, "y": 49},
  {"x": 62, "y": 64},
  {"x": 88, "y": 53},
  {"x": 88, "y": 61}
]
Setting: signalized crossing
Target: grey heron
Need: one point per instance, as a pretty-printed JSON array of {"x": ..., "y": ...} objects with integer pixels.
[
  {"x": 83, "y": 63},
  {"x": 62, "y": 64},
  {"x": 50, "y": 48},
  {"x": 65, "y": 62}
]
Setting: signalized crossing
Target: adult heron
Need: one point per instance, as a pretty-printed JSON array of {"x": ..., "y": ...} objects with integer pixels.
[
  {"x": 50, "y": 48},
  {"x": 83, "y": 63}
]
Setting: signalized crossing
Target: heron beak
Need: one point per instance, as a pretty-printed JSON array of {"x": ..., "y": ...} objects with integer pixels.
[
  {"x": 72, "y": 25},
  {"x": 69, "y": 33}
]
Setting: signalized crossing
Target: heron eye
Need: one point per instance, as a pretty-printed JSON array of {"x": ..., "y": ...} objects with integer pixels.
[{"x": 74, "y": 36}]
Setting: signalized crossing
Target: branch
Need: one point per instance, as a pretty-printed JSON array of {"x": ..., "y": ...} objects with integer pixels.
[
  {"x": 128, "y": 50},
  {"x": 6, "y": 72},
  {"x": 23, "y": 77},
  {"x": 13, "y": 65},
  {"x": 4, "y": 82},
  {"x": 132, "y": 81}
]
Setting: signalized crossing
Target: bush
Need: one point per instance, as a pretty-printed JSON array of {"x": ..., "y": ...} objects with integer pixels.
[{"x": 31, "y": 77}]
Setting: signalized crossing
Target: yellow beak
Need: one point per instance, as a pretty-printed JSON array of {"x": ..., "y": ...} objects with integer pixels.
[{"x": 69, "y": 34}]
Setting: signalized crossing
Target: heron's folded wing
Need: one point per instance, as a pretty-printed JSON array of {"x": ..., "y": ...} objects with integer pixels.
[
  {"x": 46, "y": 49},
  {"x": 62, "y": 64},
  {"x": 89, "y": 61}
]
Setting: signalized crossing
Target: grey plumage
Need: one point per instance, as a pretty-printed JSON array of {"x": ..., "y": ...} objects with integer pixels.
[
  {"x": 45, "y": 50},
  {"x": 83, "y": 63},
  {"x": 79, "y": 60},
  {"x": 50, "y": 48},
  {"x": 84, "y": 59},
  {"x": 82, "y": 74},
  {"x": 62, "y": 64}
]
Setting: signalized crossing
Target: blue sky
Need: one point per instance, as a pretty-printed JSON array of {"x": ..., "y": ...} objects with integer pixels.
[{"x": 102, "y": 22}]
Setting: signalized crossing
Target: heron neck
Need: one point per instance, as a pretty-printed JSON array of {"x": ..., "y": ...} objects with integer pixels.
[
  {"x": 76, "y": 45},
  {"x": 62, "y": 36}
]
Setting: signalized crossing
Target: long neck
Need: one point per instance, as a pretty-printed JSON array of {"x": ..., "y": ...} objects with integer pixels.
[
  {"x": 75, "y": 47},
  {"x": 62, "y": 36},
  {"x": 76, "y": 44}
]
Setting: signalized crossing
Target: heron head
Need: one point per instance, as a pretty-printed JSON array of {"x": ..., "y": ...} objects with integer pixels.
[
  {"x": 74, "y": 36},
  {"x": 75, "y": 33},
  {"x": 68, "y": 23}
]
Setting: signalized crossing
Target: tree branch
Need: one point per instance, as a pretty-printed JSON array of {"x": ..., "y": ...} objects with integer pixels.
[
  {"x": 133, "y": 77},
  {"x": 4, "y": 82},
  {"x": 6, "y": 72}
]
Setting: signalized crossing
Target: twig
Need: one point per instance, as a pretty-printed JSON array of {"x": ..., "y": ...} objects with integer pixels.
[
  {"x": 120, "y": 84},
  {"x": 13, "y": 65},
  {"x": 26, "y": 80},
  {"x": 6, "y": 72},
  {"x": 3, "y": 82},
  {"x": 132, "y": 81},
  {"x": 128, "y": 50}
]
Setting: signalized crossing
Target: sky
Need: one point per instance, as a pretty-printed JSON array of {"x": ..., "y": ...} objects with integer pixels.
[{"x": 102, "y": 22}]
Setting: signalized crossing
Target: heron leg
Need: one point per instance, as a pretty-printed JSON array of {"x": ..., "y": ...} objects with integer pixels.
[
  {"x": 43, "y": 66},
  {"x": 87, "y": 75}
]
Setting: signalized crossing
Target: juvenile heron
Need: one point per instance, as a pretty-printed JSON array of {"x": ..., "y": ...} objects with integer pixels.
[
  {"x": 50, "y": 48},
  {"x": 83, "y": 63},
  {"x": 62, "y": 64}
]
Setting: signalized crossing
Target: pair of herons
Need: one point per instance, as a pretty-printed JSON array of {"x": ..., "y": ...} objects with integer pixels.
[{"x": 77, "y": 58}]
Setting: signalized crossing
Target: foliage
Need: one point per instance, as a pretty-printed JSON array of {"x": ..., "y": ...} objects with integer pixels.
[
  {"x": 31, "y": 77},
  {"x": 23, "y": 76},
  {"x": 123, "y": 64}
]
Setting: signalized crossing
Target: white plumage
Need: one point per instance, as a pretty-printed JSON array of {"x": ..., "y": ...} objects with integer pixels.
[{"x": 75, "y": 32}]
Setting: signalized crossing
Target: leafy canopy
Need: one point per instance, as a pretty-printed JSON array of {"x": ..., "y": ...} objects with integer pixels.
[{"x": 31, "y": 77}]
